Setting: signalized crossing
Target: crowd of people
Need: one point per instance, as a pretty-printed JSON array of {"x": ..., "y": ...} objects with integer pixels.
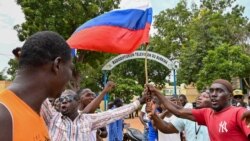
[
  {"x": 214, "y": 115},
  {"x": 36, "y": 106}
]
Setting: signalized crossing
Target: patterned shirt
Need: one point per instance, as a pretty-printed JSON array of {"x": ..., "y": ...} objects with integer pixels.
[{"x": 62, "y": 128}]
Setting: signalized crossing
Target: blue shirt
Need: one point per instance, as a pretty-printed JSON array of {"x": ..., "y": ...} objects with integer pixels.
[
  {"x": 152, "y": 133},
  {"x": 116, "y": 130}
]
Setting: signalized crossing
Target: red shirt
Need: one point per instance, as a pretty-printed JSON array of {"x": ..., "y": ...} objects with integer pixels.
[{"x": 225, "y": 125}]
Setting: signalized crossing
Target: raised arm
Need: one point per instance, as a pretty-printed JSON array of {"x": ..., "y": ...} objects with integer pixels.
[
  {"x": 159, "y": 123},
  {"x": 103, "y": 118},
  {"x": 173, "y": 108},
  {"x": 163, "y": 126},
  {"x": 91, "y": 107},
  {"x": 47, "y": 111}
]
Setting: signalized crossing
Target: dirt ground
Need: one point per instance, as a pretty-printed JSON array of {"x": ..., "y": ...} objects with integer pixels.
[{"x": 134, "y": 123}]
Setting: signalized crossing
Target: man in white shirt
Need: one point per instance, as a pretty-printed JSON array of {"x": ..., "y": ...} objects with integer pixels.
[
  {"x": 168, "y": 117},
  {"x": 144, "y": 120}
]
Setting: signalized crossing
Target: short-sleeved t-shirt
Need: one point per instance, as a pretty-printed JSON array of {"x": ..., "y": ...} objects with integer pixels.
[
  {"x": 193, "y": 131},
  {"x": 188, "y": 105},
  {"x": 224, "y": 125},
  {"x": 169, "y": 137}
]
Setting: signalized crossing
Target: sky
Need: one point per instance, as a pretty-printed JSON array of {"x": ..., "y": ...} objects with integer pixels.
[{"x": 11, "y": 14}]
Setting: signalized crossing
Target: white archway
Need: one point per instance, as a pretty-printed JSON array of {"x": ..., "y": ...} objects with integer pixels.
[{"x": 140, "y": 54}]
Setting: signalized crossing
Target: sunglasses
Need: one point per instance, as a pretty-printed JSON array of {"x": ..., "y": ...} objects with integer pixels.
[
  {"x": 238, "y": 96},
  {"x": 68, "y": 98}
]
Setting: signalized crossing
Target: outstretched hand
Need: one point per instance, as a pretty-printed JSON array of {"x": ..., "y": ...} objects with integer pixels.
[
  {"x": 152, "y": 89},
  {"x": 109, "y": 86},
  {"x": 146, "y": 97},
  {"x": 246, "y": 117}
]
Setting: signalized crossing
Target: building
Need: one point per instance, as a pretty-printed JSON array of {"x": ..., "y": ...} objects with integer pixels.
[{"x": 189, "y": 90}]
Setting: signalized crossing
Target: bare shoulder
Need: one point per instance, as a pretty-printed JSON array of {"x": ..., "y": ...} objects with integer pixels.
[{"x": 5, "y": 124}]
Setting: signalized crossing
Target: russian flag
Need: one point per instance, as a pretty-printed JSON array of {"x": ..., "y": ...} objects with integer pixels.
[{"x": 119, "y": 31}]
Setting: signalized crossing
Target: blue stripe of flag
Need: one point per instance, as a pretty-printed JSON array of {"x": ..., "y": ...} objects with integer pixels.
[
  {"x": 73, "y": 52},
  {"x": 137, "y": 19}
]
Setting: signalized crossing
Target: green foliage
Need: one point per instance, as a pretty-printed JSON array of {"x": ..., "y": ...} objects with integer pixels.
[
  {"x": 125, "y": 88},
  {"x": 13, "y": 63},
  {"x": 135, "y": 69},
  {"x": 189, "y": 34},
  {"x": 60, "y": 16},
  {"x": 224, "y": 62},
  {"x": 64, "y": 17},
  {"x": 2, "y": 75},
  {"x": 171, "y": 27}
]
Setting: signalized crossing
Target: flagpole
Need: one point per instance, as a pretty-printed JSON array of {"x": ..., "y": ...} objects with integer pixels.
[{"x": 149, "y": 96}]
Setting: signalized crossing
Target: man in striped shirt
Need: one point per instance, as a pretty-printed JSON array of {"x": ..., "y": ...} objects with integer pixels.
[{"x": 71, "y": 126}]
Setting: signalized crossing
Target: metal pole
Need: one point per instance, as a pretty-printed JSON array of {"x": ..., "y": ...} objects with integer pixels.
[
  {"x": 175, "y": 94},
  {"x": 241, "y": 84},
  {"x": 146, "y": 65},
  {"x": 104, "y": 81}
]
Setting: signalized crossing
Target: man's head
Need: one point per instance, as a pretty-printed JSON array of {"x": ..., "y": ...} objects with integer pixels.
[
  {"x": 47, "y": 52},
  {"x": 118, "y": 102},
  {"x": 220, "y": 94},
  {"x": 174, "y": 99},
  {"x": 171, "y": 98},
  {"x": 69, "y": 102},
  {"x": 238, "y": 97},
  {"x": 183, "y": 99},
  {"x": 203, "y": 100},
  {"x": 110, "y": 105},
  {"x": 86, "y": 96}
]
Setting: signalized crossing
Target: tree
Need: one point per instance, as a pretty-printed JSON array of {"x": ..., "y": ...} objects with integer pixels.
[
  {"x": 135, "y": 69},
  {"x": 171, "y": 26},
  {"x": 13, "y": 63},
  {"x": 64, "y": 17},
  {"x": 126, "y": 88},
  {"x": 60, "y": 16},
  {"x": 2, "y": 76},
  {"x": 189, "y": 34},
  {"x": 224, "y": 62}
]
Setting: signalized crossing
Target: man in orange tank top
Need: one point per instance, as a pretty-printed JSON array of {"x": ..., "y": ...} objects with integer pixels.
[{"x": 45, "y": 67}]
